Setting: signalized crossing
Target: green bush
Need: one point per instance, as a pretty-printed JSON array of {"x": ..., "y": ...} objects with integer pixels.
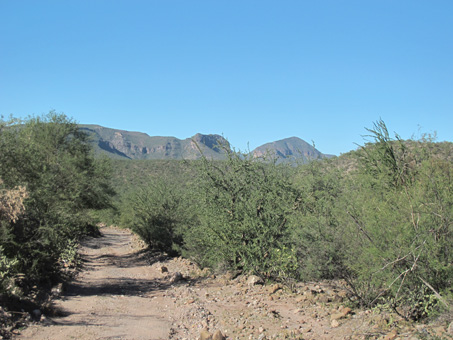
[
  {"x": 245, "y": 211},
  {"x": 7, "y": 271},
  {"x": 317, "y": 236},
  {"x": 157, "y": 213},
  {"x": 52, "y": 159},
  {"x": 397, "y": 213}
]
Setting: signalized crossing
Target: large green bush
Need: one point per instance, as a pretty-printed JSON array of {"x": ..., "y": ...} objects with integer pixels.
[
  {"x": 158, "y": 213},
  {"x": 51, "y": 158},
  {"x": 318, "y": 234},
  {"x": 397, "y": 223},
  {"x": 245, "y": 212}
]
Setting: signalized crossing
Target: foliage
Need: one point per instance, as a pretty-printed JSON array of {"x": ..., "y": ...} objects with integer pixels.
[
  {"x": 157, "y": 213},
  {"x": 52, "y": 159},
  {"x": 128, "y": 175},
  {"x": 7, "y": 270},
  {"x": 245, "y": 217},
  {"x": 379, "y": 217},
  {"x": 398, "y": 222},
  {"x": 12, "y": 203},
  {"x": 318, "y": 233},
  {"x": 11, "y": 208}
]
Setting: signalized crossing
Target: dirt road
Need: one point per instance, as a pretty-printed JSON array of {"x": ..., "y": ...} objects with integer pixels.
[
  {"x": 117, "y": 296},
  {"x": 124, "y": 293}
]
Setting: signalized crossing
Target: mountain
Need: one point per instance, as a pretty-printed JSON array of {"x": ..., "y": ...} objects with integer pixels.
[
  {"x": 137, "y": 145},
  {"x": 291, "y": 149},
  {"x": 123, "y": 144}
]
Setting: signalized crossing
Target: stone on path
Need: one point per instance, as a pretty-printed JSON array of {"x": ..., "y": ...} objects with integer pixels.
[{"x": 254, "y": 280}]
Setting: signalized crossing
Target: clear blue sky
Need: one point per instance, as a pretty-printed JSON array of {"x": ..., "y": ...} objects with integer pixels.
[{"x": 254, "y": 71}]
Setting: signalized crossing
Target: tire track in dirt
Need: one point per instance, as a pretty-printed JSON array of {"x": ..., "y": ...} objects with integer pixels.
[
  {"x": 116, "y": 296},
  {"x": 123, "y": 292}
]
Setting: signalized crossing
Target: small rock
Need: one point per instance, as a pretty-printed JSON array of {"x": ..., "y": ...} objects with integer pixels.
[
  {"x": 343, "y": 313},
  {"x": 231, "y": 275},
  {"x": 346, "y": 311},
  {"x": 334, "y": 323},
  {"x": 272, "y": 289},
  {"x": 176, "y": 277},
  {"x": 205, "y": 335},
  {"x": 450, "y": 328},
  {"x": 254, "y": 280},
  {"x": 163, "y": 269},
  {"x": 336, "y": 316},
  {"x": 218, "y": 336}
]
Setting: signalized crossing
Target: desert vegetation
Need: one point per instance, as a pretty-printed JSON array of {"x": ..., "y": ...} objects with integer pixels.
[
  {"x": 50, "y": 183},
  {"x": 379, "y": 218}
]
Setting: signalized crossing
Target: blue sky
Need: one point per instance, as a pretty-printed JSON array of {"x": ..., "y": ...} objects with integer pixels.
[{"x": 253, "y": 71}]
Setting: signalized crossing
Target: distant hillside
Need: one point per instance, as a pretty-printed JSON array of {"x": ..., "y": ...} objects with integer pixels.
[
  {"x": 288, "y": 150},
  {"x": 121, "y": 144},
  {"x": 137, "y": 145}
]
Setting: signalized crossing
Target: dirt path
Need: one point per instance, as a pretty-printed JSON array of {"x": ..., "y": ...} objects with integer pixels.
[
  {"x": 124, "y": 293},
  {"x": 117, "y": 296}
]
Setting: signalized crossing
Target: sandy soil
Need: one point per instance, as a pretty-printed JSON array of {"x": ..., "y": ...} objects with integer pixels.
[
  {"x": 116, "y": 296},
  {"x": 124, "y": 293}
]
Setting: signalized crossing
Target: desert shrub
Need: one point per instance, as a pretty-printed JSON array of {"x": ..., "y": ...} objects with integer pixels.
[
  {"x": 12, "y": 202},
  {"x": 157, "y": 213},
  {"x": 11, "y": 208},
  {"x": 52, "y": 159},
  {"x": 397, "y": 222},
  {"x": 245, "y": 208},
  {"x": 317, "y": 234},
  {"x": 7, "y": 272}
]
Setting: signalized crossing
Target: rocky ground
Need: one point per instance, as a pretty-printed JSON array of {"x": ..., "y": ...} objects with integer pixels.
[{"x": 123, "y": 292}]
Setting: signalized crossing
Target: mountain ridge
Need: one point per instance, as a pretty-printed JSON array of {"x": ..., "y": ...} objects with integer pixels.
[{"x": 123, "y": 144}]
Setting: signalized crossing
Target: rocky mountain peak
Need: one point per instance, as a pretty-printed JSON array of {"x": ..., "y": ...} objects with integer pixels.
[
  {"x": 292, "y": 148},
  {"x": 137, "y": 145},
  {"x": 214, "y": 142}
]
